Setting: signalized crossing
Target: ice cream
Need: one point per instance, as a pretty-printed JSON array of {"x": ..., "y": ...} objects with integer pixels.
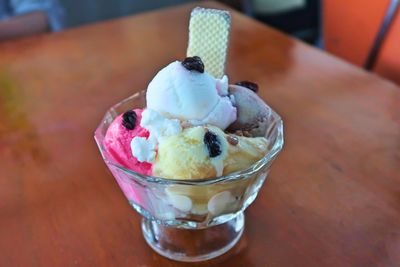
[
  {"x": 159, "y": 127},
  {"x": 118, "y": 140},
  {"x": 252, "y": 112},
  {"x": 206, "y": 152},
  {"x": 180, "y": 134},
  {"x": 192, "y": 95}
]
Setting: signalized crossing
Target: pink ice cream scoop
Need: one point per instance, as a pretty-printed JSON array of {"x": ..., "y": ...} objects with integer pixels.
[{"x": 118, "y": 141}]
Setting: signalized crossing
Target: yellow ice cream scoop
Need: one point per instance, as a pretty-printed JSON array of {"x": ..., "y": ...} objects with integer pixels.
[{"x": 206, "y": 152}]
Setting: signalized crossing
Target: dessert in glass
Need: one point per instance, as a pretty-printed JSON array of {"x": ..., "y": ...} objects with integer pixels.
[{"x": 191, "y": 152}]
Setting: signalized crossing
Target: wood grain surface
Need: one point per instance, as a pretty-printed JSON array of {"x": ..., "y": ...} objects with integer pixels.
[{"x": 332, "y": 197}]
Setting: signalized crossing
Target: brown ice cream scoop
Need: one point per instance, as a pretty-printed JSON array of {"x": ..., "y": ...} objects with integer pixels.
[{"x": 252, "y": 112}]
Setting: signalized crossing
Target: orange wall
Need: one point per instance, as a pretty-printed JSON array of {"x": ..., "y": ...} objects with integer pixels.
[
  {"x": 350, "y": 27},
  {"x": 389, "y": 59}
]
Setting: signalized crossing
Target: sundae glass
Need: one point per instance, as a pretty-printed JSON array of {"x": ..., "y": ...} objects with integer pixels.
[{"x": 191, "y": 152}]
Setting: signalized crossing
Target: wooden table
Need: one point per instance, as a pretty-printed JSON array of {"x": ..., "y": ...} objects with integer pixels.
[{"x": 332, "y": 198}]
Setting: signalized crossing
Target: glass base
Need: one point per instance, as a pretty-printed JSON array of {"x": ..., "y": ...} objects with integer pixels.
[{"x": 191, "y": 245}]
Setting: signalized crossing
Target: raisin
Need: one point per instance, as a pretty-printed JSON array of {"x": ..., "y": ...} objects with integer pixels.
[
  {"x": 212, "y": 143},
  {"x": 129, "y": 119},
  {"x": 249, "y": 85},
  {"x": 193, "y": 63}
]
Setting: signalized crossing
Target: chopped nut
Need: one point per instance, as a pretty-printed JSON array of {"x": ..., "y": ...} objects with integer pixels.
[
  {"x": 186, "y": 124},
  {"x": 233, "y": 140},
  {"x": 239, "y": 133},
  {"x": 247, "y": 134},
  {"x": 249, "y": 85}
]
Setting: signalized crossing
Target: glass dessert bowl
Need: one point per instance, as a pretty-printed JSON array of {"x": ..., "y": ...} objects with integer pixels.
[{"x": 191, "y": 220}]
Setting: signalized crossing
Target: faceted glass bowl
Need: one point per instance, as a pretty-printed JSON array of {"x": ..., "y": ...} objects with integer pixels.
[{"x": 190, "y": 220}]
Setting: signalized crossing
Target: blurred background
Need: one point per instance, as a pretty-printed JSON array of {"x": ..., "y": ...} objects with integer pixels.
[{"x": 363, "y": 32}]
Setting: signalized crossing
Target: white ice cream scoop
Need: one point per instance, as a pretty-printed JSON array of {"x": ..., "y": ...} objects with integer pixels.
[{"x": 190, "y": 95}]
